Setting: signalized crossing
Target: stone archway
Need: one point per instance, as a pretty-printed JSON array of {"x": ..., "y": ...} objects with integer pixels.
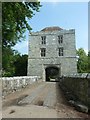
[{"x": 51, "y": 72}]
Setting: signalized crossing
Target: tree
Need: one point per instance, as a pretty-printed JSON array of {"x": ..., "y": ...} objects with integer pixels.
[
  {"x": 14, "y": 20},
  {"x": 14, "y": 24},
  {"x": 89, "y": 61},
  {"x": 20, "y": 65},
  {"x": 8, "y": 59},
  {"x": 82, "y": 64}
]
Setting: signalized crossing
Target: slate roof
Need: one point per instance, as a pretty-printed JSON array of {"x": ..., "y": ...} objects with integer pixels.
[{"x": 54, "y": 28}]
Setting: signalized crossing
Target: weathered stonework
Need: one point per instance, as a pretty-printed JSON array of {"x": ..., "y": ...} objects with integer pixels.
[
  {"x": 77, "y": 88},
  {"x": 12, "y": 84},
  {"x": 67, "y": 63}
]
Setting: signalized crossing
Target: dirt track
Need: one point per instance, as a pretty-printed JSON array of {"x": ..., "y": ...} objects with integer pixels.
[{"x": 39, "y": 100}]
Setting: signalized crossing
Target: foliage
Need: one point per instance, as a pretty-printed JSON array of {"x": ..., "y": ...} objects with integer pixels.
[
  {"x": 17, "y": 65},
  {"x": 14, "y": 24},
  {"x": 20, "y": 65},
  {"x": 7, "y": 62},
  {"x": 14, "y": 20},
  {"x": 89, "y": 61},
  {"x": 82, "y": 64}
]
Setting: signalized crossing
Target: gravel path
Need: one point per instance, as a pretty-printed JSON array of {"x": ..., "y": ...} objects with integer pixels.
[{"x": 40, "y": 100}]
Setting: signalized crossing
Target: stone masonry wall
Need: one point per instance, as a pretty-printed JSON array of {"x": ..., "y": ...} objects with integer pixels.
[
  {"x": 78, "y": 85},
  {"x": 11, "y": 84},
  {"x": 67, "y": 63}
]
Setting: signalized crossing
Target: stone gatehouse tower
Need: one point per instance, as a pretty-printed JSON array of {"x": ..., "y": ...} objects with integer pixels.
[{"x": 52, "y": 52}]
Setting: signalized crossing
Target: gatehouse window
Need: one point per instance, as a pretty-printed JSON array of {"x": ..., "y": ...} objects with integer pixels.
[
  {"x": 43, "y": 52},
  {"x": 43, "y": 39},
  {"x": 60, "y": 52},
  {"x": 60, "y": 39}
]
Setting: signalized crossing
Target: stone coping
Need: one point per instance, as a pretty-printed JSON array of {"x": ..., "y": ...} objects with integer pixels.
[{"x": 78, "y": 75}]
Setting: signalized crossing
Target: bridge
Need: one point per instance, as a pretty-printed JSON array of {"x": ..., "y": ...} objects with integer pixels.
[{"x": 30, "y": 97}]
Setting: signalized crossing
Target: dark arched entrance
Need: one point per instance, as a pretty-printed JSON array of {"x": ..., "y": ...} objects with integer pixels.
[{"x": 51, "y": 73}]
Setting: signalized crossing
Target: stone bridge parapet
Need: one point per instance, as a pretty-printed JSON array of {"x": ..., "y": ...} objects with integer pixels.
[
  {"x": 77, "y": 87},
  {"x": 11, "y": 84}
]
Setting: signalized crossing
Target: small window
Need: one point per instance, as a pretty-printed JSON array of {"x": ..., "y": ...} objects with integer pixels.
[
  {"x": 60, "y": 52},
  {"x": 43, "y": 39},
  {"x": 60, "y": 39},
  {"x": 43, "y": 52}
]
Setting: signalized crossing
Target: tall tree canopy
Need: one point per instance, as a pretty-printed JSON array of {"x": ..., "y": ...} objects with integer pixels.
[
  {"x": 14, "y": 24},
  {"x": 14, "y": 20}
]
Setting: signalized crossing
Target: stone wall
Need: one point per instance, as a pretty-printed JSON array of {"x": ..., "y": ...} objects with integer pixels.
[
  {"x": 11, "y": 84},
  {"x": 67, "y": 63},
  {"x": 78, "y": 85}
]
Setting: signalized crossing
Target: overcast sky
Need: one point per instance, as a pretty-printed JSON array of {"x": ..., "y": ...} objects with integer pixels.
[{"x": 66, "y": 15}]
